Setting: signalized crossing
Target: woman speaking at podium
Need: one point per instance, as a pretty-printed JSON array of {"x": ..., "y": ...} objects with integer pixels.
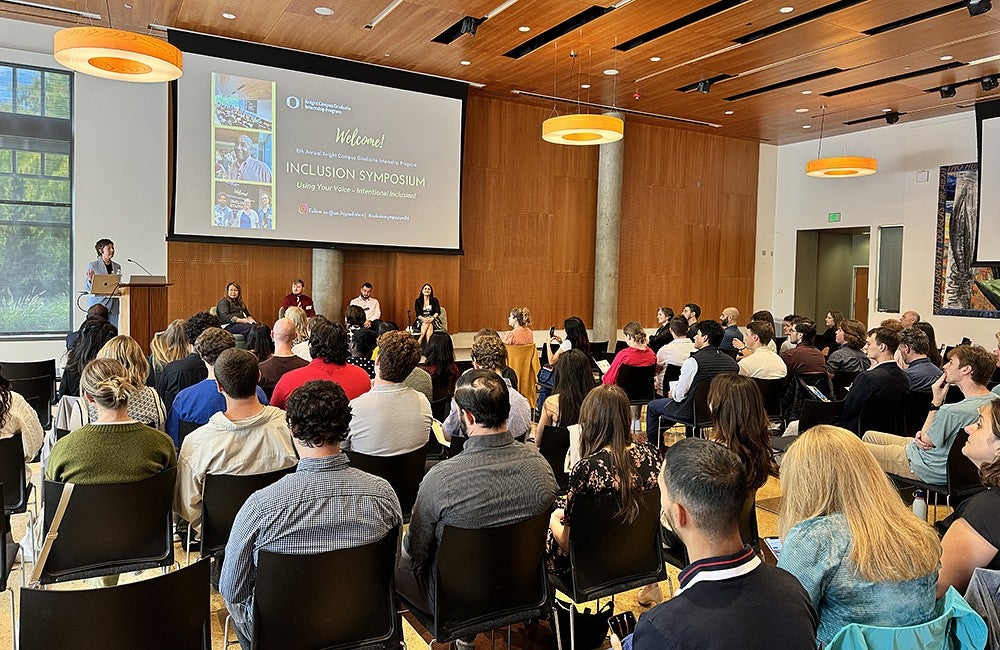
[{"x": 103, "y": 266}]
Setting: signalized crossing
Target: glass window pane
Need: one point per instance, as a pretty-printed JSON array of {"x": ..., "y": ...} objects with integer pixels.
[
  {"x": 57, "y": 164},
  {"x": 29, "y": 163},
  {"x": 890, "y": 268},
  {"x": 35, "y": 213},
  {"x": 57, "y": 95},
  {"x": 43, "y": 304},
  {"x": 29, "y": 92},
  {"x": 6, "y": 161},
  {"x": 6, "y": 89}
]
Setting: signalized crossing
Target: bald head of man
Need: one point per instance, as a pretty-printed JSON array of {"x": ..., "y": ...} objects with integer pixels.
[
  {"x": 730, "y": 316},
  {"x": 283, "y": 335}
]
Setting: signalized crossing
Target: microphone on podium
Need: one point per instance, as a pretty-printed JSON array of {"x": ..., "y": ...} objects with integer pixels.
[{"x": 139, "y": 265}]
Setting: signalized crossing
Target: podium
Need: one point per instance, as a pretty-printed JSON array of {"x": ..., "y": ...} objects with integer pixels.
[{"x": 143, "y": 308}]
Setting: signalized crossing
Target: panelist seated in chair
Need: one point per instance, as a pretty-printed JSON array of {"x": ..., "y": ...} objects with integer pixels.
[
  {"x": 702, "y": 492},
  {"x": 325, "y": 505},
  {"x": 245, "y": 438},
  {"x": 495, "y": 481}
]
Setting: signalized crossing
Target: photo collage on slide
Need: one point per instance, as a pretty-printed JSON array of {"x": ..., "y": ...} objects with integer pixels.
[{"x": 243, "y": 153}]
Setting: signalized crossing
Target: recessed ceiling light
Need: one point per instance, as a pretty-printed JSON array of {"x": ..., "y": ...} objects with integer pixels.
[
  {"x": 466, "y": 62},
  {"x": 324, "y": 11},
  {"x": 807, "y": 92},
  {"x": 947, "y": 57},
  {"x": 611, "y": 72},
  {"x": 585, "y": 85},
  {"x": 807, "y": 126},
  {"x": 886, "y": 110},
  {"x": 654, "y": 59},
  {"x": 229, "y": 16},
  {"x": 524, "y": 28},
  {"x": 786, "y": 10},
  {"x": 730, "y": 112},
  {"x": 128, "y": 5},
  {"x": 801, "y": 110}
]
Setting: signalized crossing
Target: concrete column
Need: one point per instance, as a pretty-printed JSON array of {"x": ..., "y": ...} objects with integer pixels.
[
  {"x": 328, "y": 282},
  {"x": 609, "y": 210}
]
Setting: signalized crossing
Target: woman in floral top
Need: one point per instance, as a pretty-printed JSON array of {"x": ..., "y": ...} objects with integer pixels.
[{"x": 611, "y": 464}]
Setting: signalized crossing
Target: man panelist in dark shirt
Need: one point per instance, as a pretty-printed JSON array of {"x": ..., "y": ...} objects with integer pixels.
[
  {"x": 727, "y": 598},
  {"x": 495, "y": 481}
]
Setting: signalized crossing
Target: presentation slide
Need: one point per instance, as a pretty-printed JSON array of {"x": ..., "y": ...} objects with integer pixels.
[
  {"x": 988, "y": 233},
  {"x": 290, "y": 157}
]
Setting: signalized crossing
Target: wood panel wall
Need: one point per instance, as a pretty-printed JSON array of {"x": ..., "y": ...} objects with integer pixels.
[{"x": 688, "y": 230}]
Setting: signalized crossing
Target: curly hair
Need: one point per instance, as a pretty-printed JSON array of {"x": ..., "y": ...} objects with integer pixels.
[
  {"x": 198, "y": 324},
  {"x": 212, "y": 342},
  {"x": 398, "y": 355},
  {"x": 329, "y": 341},
  {"x": 489, "y": 353},
  {"x": 989, "y": 473},
  {"x": 521, "y": 316},
  {"x": 318, "y": 413}
]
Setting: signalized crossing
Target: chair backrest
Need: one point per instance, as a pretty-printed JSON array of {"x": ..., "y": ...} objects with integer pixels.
[
  {"x": 443, "y": 318},
  {"x": 915, "y": 409},
  {"x": 963, "y": 475},
  {"x": 702, "y": 415},
  {"x": 109, "y": 529},
  {"x": 39, "y": 393},
  {"x": 184, "y": 428},
  {"x": 222, "y": 498},
  {"x": 404, "y": 472},
  {"x": 342, "y": 599},
  {"x": 731, "y": 353},
  {"x": 27, "y": 369},
  {"x": 166, "y": 612},
  {"x": 12, "y": 474},
  {"x": 816, "y": 412},
  {"x": 841, "y": 380},
  {"x": 554, "y": 445},
  {"x": 607, "y": 555},
  {"x": 506, "y": 583},
  {"x": 886, "y": 415},
  {"x": 637, "y": 382},
  {"x": 599, "y": 347},
  {"x": 771, "y": 390},
  {"x": 523, "y": 359},
  {"x": 5, "y": 551},
  {"x": 796, "y": 392},
  {"x": 676, "y": 554},
  {"x": 670, "y": 373}
]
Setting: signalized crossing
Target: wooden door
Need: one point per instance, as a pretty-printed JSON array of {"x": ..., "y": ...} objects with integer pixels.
[{"x": 860, "y": 307}]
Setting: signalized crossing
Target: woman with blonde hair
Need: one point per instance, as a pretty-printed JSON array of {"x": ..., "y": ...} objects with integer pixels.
[
  {"x": 520, "y": 332},
  {"x": 169, "y": 345},
  {"x": 858, "y": 550},
  {"x": 144, "y": 404},
  {"x": 298, "y": 317},
  {"x": 636, "y": 354}
]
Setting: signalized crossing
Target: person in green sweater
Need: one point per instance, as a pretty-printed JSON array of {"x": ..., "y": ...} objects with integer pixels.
[{"x": 114, "y": 448}]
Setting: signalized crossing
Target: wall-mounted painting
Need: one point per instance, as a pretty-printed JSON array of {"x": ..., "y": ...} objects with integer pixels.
[{"x": 961, "y": 289}]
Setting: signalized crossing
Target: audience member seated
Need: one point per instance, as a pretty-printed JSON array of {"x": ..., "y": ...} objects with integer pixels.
[
  {"x": 488, "y": 353},
  {"x": 96, "y": 312},
  {"x": 674, "y": 352},
  {"x": 392, "y": 418},
  {"x": 909, "y": 318},
  {"x": 787, "y": 326},
  {"x": 259, "y": 341},
  {"x": 440, "y": 365},
  {"x": 662, "y": 335},
  {"x": 850, "y": 356},
  {"x": 925, "y": 456},
  {"x": 703, "y": 365},
  {"x": 283, "y": 358},
  {"x": 574, "y": 380},
  {"x": 298, "y": 299},
  {"x": 884, "y": 382},
  {"x": 850, "y": 540},
  {"x": 167, "y": 346},
  {"x": 113, "y": 448},
  {"x": 730, "y": 321},
  {"x": 354, "y": 319},
  {"x": 803, "y": 357},
  {"x": 328, "y": 348},
  {"x": 635, "y": 354},
  {"x": 418, "y": 380},
  {"x": 246, "y": 438},
  {"x": 575, "y": 338},
  {"x": 17, "y": 416},
  {"x": 827, "y": 341},
  {"x": 362, "y": 346},
  {"x": 495, "y": 481},
  {"x": 933, "y": 353},
  {"x": 920, "y": 371},
  {"x": 520, "y": 332},
  {"x": 93, "y": 335},
  {"x": 973, "y": 538},
  {"x": 325, "y": 505},
  {"x": 740, "y": 423},
  {"x": 198, "y": 403},
  {"x": 692, "y": 312},
  {"x": 728, "y": 597},
  {"x": 144, "y": 404},
  {"x": 233, "y": 313},
  {"x": 301, "y": 323},
  {"x": 178, "y": 375},
  {"x": 611, "y": 464},
  {"x": 762, "y": 362}
]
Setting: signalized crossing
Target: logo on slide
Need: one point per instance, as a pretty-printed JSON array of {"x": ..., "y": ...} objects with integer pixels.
[{"x": 303, "y": 208}]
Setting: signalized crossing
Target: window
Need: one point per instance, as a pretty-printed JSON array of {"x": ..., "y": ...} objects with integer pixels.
[
  {"x": 36, "y": 162},
  {"x": 890, "y": 268}
]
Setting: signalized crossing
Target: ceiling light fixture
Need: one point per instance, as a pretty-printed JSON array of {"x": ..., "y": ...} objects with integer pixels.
[
  {"x": 704, "y": 86},
  {"x": 801, "y": 110},
  {"x": 978, "y": 7},
  {"x": 786, "y": 10},
  {"x": 524, "y": 28},
  {"x": 463, "y": 62},
  {"x": 807, "y": 126},
  {"x": 324, "y": 11},
  {"x": 807, "y": 92},
  {"x": 886, "y": 110},
  {"x": 382, "y": 14},
  {"x": 117, "y": 54},
  {"x": 838, "y": 166},
  {"x": 730, "y": 112},
  {"x": 611, "y": 72},
  {"x": 891, "y": 117},
  {"x": 585, "y": 86},
  {"x": 989, "y": 83},
  {"x": 947, "y": 92},
  {"x": 655, "y": 59},
  {"x": 947, "y": 57},
  {"x": 229, "y": 16},
  {"x": 583, "y": 129}
]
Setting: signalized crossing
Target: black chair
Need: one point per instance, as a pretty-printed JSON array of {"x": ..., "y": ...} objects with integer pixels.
[
  {"x": 819, "y": 412},
  {"x": 637, "y": 382},
  {"x": 554, "y": 446},
  {"x": 842, "y": 380},
  {"x": 732, "y": 353},
  {"x": 35, "y": 381},
  {"x": 343, "y": 599},
  {"x": 404, "y": 472},
  {"x": 599, "y": 348},
  {"x": 463, "y": 365},
  {"x": 670, "y": 373},
  {"x": 962, "y": 477},
  {"x": 184, "y": 429},
  {"x": 915, "y": 409},
  {"x": 702, "y": 414},
  {"x": 221, "y": 500},
  {"x": 675, "y": 552},
  {"x": 888, "y": 416},
  {"x": 167, "y": 612},
  {"x": 440, "y": 408},
  {"x": 771, "y": 390},
  {"x": 18, "y": 490},
  {"x": 608, "y": 556},
  {"x": 8, "y": 551},
  {"x": 504, "y": 585},
  {"x": 797, "y": 391},
  {"x": 110, "y": 529}
]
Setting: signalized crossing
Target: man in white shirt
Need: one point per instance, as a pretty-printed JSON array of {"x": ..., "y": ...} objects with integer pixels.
[
  {"x": 763, "y": 362},
  {"x": 674, "y": 353},
  {"x": 373, "y": 311}
]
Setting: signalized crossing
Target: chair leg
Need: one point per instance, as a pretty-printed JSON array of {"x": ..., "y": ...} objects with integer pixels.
[
  {"x": 555, "y": 617},
  {"x": 572, "y": 626},
  {"x": 187, "y": 547}
]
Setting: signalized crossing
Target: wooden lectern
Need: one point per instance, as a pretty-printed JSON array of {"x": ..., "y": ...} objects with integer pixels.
[{"x": 143, "y": 308}]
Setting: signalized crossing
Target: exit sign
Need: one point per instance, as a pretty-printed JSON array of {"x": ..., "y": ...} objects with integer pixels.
[{"x": 833, "y": 217}]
